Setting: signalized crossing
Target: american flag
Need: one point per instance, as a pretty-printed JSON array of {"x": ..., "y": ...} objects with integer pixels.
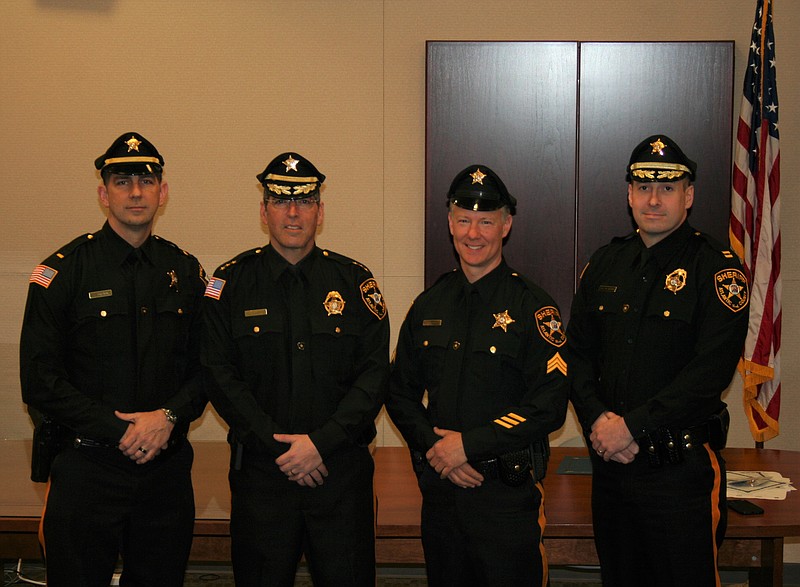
[
  {"x": 214, "y": 288},
  {"x": 755, "y": 227},
  {"x": 43, "y": 275}
]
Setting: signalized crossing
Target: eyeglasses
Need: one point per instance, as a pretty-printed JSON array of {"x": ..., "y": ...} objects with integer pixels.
[{"x": 284, "y": 203}]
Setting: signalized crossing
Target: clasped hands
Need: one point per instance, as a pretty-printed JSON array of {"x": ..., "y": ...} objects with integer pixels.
[
  {"x": 448, "y": 458},
  {"x": 147, "y": 435},
  {"x": 302, "y": 463},
  {"x": 612, "y": 440}
]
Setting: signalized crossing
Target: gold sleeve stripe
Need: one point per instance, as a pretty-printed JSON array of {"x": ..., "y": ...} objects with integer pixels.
[
  {"x": 516, "y": 417},
  {"x": 503, "y": 424}
]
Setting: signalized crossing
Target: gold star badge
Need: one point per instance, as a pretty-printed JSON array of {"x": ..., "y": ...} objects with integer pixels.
[
  {"x": 291, "y": 163},
  {"x": 477, "y": 177},
  {"x": 133, "y": 144},
  {"x": 502, "y": 320},
  {"x": 658, "y": 147}
]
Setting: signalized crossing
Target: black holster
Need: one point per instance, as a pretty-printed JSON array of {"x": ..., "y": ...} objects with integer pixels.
[{"x": 49, "y": 439}]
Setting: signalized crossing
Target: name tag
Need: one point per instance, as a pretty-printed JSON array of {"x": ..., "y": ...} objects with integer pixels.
[
  {"x": 103, "y": 293},
  {"x": 258, "y": 312},
  {"x": 431, "y": 322},
  {"x": 608, "y": 288}
]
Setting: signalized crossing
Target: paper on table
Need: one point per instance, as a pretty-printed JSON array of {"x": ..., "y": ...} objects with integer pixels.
[{"x": 758, "y": 485}]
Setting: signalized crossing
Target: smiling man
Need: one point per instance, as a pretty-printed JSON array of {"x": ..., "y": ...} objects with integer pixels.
[
  {"x": 296, "y": 352},
  {"x": 487, "y": 346},
  {"x": 109, "y": 364},
  {"x": 656, "y": 330}
]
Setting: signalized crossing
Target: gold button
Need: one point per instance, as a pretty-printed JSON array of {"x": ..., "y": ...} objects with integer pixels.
[
  {"x": 601, "y": 308},
  {"x": 425, "y": 343},
  {"x": 625, "y": 307},
  {"x": 666, "y": 313},
  {"x": 256, "y": 329},
  {"x": 103, "y": 313},
  {"x": 301, "y": 346},
  {"x": 338, "y": 330},
  {"x": 492, "y": 349},
  {"x": 143, "y": 310},
  {"x": 180, "y": 310},
  {"x": 456, "y": 345}
]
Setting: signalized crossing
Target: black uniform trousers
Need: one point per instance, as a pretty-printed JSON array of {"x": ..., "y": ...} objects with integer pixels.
[
  {"x": 274, "y": 521},
  {"x": 100, "y": 505},
  {"x": 660, "y": 526},
  {"x": 483, "y": 536}
]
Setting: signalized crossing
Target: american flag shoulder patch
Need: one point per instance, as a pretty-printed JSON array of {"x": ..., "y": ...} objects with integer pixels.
[
  {"x": 214, "y": 288},
  {"x": 43, "y": 275}
]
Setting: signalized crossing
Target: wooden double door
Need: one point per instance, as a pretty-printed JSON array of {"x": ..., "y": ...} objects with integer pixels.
[{"x": 557, "y": 121}]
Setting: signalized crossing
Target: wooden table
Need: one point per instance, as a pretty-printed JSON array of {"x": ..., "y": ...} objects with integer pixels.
[{"x": 754, "y": 543}]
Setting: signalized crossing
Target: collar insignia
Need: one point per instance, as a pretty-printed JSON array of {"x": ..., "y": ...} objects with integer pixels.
[
  {"x": 334, "y": 303},
  {"x": 675, "y": 281},
  {"x": 133, "y": 144},
  {"x": 502, "y": 320},
  {"x": 477, "y": 177}
]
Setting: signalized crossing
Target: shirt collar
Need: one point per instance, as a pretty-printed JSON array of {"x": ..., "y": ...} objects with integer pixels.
[
  {"x": 665, "y": 249},
  {"x": 119, "y": 249},
  {"x": 487, "y": 284},
  {"x": 278, "y": 265}
]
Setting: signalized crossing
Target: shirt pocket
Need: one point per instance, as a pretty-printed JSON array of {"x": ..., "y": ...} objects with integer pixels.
[
  {"x": 256, "y": 332},
  {"x": 103, "y": 323},
  {"x": 335, "y": 341}
]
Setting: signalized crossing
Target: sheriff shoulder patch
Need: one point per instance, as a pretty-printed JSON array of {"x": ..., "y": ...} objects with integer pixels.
[
  {"x": 732, "y": 291},
  {"x": 550, "y": 325},
  {"x": 373, "y": 298}
]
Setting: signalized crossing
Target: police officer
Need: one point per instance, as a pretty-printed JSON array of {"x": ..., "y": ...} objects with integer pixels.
[
  {"x": 297, "y": 359},
  {"x": 487, "y": 345},
  {"x": 656, "y": 331},
  {"x": 110, "y": 352}
]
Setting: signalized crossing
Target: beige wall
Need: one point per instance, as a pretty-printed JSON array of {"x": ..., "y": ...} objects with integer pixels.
[{"x": 222, "y": 86}]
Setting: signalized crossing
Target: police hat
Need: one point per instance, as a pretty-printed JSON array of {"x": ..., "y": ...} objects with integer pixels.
[
  {"x": 478, "y": 188},
  {"x": 130, "y": 154},
  {"x": 290, "y": 176},
  {"x": 659, "y": 158}
]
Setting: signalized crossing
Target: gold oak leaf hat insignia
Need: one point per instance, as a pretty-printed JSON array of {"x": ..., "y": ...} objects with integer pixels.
[
  {"x": 659, "y": 158},
  {"x": 130, "y": 154},
  {"x": 479, "y": 188},
  {"x": 502, "y": 320},
  {"x": 290, "y": 176}
]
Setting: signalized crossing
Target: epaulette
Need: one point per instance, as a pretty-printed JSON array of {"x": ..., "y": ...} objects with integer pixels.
[
  {"x": 627, "y": 237},
  {"x": 171, "y": 244},
  {"x": 239, "y": 257},
  {"x": 73, "y": 245},
  {"x": 343, "y": 260},
  {"x": 715, "y": 245}
]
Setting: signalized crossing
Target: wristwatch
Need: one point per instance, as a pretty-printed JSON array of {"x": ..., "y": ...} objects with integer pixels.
[{"x": 172, "y": 417}]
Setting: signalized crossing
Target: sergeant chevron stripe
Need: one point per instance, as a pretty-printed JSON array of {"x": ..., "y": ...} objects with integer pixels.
[{"x": 557, "y": 363}]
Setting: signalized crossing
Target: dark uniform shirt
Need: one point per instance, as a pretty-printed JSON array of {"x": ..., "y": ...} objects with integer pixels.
[
  {"x": 655, "y": 334},
  {"x": 490, "y": 355},
  {"x": 109, "y": 327},
  {"x": 297, "y": 350}
]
